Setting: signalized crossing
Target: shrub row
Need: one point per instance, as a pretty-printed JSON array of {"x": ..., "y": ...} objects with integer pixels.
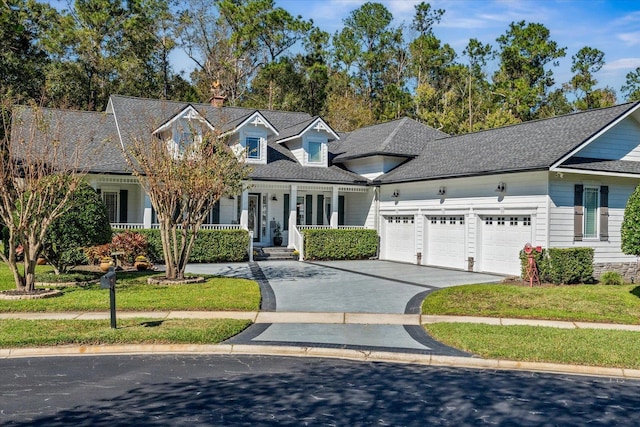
[
  {"x": 339, "y": 244},
  {"x": 210, "y": 246},
  {"x": 561, "y": 265}
]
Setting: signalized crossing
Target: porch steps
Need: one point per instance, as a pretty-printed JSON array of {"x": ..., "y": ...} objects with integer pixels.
[{"x": 273, "y": 253}]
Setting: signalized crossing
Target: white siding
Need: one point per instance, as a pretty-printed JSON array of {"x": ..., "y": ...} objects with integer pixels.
[
  {"x": 561, "y": 216},
  {"x": 620, "y": 143},
  {"x": 359, "y": 209},
  {"x": 472, "y": 198},
  {"x": 296, "y": 149}
]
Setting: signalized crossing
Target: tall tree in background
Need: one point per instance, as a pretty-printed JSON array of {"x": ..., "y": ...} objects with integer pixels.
[
  {"x": 365, "y": 49},
  {"x": 522, "y": 82},
  {"x": 585, "y": 64},
  {"x": 632, "y": 86},
  {"x": 23, "y": 58}
]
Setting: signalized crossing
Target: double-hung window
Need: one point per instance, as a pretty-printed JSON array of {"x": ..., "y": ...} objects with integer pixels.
[
  {"x": 591, "y": 212},
  {"x": 315, "y": 152},
  {"x": 253, "y": 147}
]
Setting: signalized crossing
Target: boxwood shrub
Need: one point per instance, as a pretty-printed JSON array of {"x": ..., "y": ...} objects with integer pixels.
[
  {"x": 210, "y": 246},
  {"x": 337, "y": 244},
  {"x": 562, "y": 265}
]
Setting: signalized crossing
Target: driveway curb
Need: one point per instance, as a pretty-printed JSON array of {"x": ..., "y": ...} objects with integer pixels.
[{"x": 356, "y": 355}]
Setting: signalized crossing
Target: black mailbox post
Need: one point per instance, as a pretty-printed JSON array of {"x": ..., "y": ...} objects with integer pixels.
[{"x": 108, "y": 281}]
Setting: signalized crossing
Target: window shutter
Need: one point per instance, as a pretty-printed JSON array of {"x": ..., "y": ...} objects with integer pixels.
[
  {"x": 308, "y": 210},
  {"x": 578, "y": 212},
  {"x": 215, "y": 214},
  {"x": 287, "y": 212},
  {"x": 340, "y": 210},
  {"x": 604, "y": 213},
  {"x": 320, "y": 210},
  {"x": 124, "y": 199}
]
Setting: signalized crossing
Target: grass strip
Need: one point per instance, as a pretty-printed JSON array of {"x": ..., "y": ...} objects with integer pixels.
[
  {"x": 134, "y": 294},
  {"x": 589, "y": 303},
  {"x": 36, "y": 333},
  {"x": 592, "y": 347}
]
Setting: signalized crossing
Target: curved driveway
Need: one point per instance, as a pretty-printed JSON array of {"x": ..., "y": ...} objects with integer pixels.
[{"x": 373, "y": 287}]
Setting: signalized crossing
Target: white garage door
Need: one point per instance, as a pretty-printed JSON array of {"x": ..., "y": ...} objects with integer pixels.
[
  {"x": 399, "y": 242},
  {"x": 446, "y": 242},
  {"x": 502, "y": 239}
]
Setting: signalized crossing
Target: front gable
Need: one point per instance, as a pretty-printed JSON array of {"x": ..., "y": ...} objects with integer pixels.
[
  {"x": 186, "y": 127},
  {"x": 308, "y": 142},
  {"x": 621, "y": 142},
  {"x": 249, "y": 138}
]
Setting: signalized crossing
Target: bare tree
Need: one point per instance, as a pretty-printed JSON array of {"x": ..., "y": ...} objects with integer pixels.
[
  {"x": 184, "y": 180},
  {"x": 40, "y": 172}
]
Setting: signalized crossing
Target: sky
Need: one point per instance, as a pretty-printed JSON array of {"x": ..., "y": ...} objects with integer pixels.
[{"x": 613, "y": 26}]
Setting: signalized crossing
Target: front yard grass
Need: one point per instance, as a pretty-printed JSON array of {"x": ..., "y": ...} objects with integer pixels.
[
  {"x": 134, "y": 294},
  {"x": 35, "y": 333},
  {"x": 591, "y": 347},
  {"x": 588, "y": 303}
]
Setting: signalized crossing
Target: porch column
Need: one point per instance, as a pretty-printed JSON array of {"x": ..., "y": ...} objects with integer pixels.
[
  {"x": 334, "y": 207},
  {"x": 147, "y": 214},
  {"x": 293, "y": 203},
  {"x": 244, "y": 214}
]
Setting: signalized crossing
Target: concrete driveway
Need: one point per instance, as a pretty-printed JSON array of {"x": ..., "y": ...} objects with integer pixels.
[{"x": 375, "y": 289}]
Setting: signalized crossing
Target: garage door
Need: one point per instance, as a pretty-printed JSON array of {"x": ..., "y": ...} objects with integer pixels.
[
  {"x": 502, "y": 239},
  {"x": 446, "y": 242},
  {"x": 399, "y": 242}
]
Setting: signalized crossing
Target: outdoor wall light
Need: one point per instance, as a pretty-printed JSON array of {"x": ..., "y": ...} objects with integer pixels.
[
  {"x": 396, "y": 194},
  {"x": 501, "y": 188},
  {"x": 442, "y": 191},
  {"x": 274, "y": 198}
]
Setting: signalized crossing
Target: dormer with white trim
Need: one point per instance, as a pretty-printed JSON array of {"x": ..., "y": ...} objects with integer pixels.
[
  {"x": 308, "y": 142},
  {"x": 248, "y": 139},
  {"x": 185, "y": 128}
]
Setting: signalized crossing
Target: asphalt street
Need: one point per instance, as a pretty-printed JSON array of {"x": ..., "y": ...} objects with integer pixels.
[{"x": 260, "y": 390}]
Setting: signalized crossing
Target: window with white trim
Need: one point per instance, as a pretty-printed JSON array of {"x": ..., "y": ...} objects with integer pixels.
[
  {"x": 590, "y": 218},
  {"x": 252, "y": 147},
  {"x": 315, "y": 152}
]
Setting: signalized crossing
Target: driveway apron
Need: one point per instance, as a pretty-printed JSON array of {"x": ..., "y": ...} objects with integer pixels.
[{"x": 373, "y": 287}]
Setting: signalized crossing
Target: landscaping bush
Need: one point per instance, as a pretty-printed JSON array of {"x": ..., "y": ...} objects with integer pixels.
[
  {"x": 131, "y": 243},
  {"x": 86, "y": 223},
  {"x": 561, "y": 266},
  {"x": 210, "y": 246},
  {"x": 569, "y": 266},
  {"x": 611, "y": 278},
  {"x": 335, "y": 244}
]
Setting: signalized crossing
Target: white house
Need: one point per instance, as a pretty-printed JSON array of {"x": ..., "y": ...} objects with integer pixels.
[{"x": 466, "y": 202}]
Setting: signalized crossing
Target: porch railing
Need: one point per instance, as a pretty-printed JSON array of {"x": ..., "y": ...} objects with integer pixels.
[
  {"x": 127, "y": 225},
  {"x": 297, "y": 240},
  {"x": 211, "y": 226},
  {"x": 351, "y": 227},
  {"x": 313, "y": 227}
]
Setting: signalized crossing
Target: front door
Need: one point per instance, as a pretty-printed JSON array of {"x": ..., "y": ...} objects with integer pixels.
[{"x": 254, "y": 216}]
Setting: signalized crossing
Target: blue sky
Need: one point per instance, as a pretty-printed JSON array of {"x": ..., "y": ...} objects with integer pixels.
[{"x": 609, "y": 25}]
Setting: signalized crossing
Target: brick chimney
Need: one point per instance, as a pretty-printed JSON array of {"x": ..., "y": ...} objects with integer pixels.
[{"x": 217, "y": 95}]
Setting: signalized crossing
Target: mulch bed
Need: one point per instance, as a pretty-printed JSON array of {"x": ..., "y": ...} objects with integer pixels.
[{"x": 14, "y": 294}]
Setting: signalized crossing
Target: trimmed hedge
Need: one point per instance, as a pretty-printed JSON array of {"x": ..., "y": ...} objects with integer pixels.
[
  {"x": 562, "y": 265},
  {"x": 210, "y": 246},
  {"x": 336, "y": 244}
]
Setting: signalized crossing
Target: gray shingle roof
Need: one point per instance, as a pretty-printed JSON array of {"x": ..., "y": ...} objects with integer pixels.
[
  {"x": 531, "y": 145},
  {"x": 92, "y": 134},
  {"x": 619, "y": 166},
  {"x": 403, "y": 137}
]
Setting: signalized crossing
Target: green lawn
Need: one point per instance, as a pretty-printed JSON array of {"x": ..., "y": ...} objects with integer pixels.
[
  {"x": 35, "y": 333},
  {"x": 589, "y": 303},
  {"x": 134, "y": 294},
  {"x": 592, "y": 347}
]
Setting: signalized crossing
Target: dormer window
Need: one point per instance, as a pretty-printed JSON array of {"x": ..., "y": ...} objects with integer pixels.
[
  {"x": 315, "y": 152},
  {"x": 253, "y": 147}
]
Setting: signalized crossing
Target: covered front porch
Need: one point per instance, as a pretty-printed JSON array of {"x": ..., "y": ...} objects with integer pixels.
[{"x": 262, "y": 209}]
